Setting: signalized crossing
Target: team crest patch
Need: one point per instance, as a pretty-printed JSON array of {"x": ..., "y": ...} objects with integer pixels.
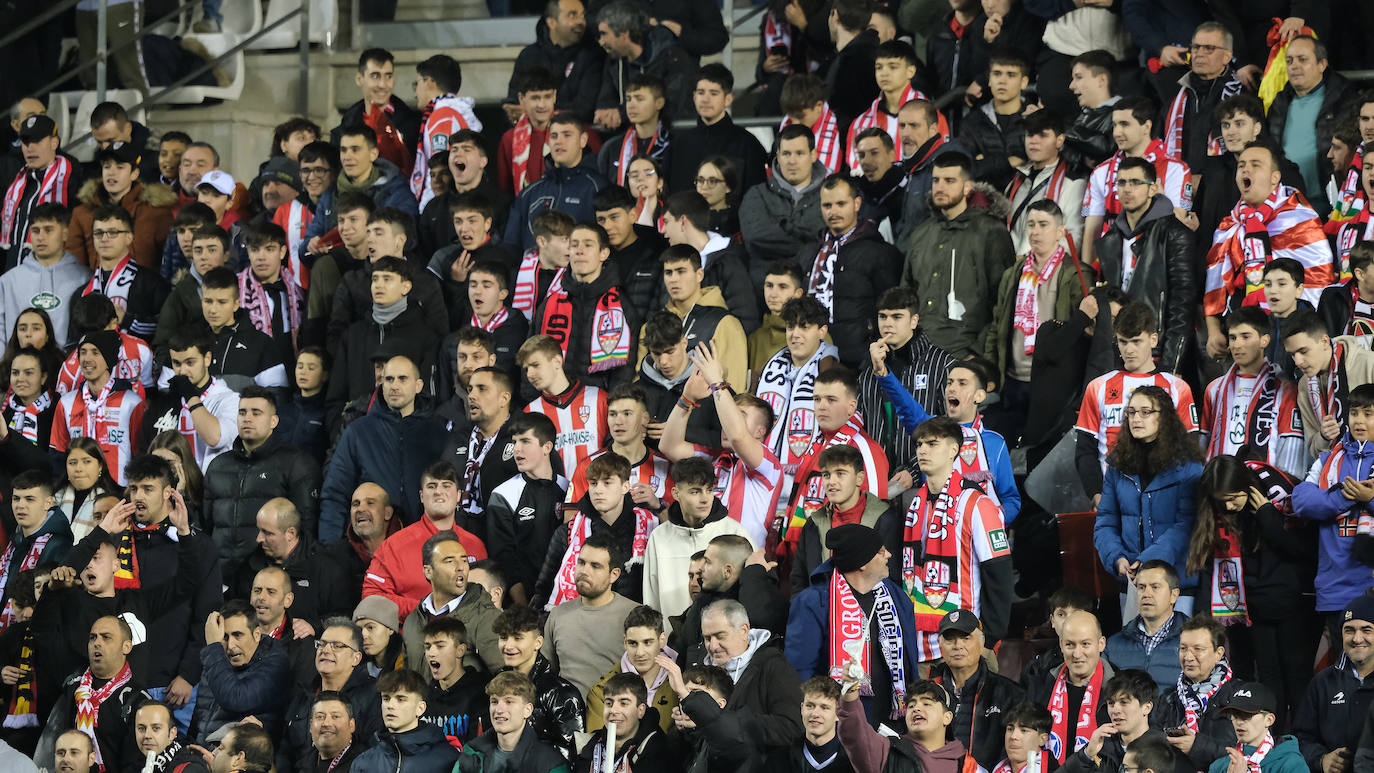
[
  {"x": 968, "y": 454},
  {"x": 608, "y": 330},
  {"x": 801, "y": 427},
  {"x": 584, "y": 412}
]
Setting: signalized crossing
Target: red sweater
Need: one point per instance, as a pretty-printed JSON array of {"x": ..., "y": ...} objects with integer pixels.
[{"x": 398, "y": 573}]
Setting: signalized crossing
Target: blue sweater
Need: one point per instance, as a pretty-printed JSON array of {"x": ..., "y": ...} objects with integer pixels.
[
  {"x": 1340, "y": 577},
  {"x": 911, "y": 414}
]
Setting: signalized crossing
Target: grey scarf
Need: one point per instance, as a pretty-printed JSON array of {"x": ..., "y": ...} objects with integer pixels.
[{"x": 385, "y": 315}]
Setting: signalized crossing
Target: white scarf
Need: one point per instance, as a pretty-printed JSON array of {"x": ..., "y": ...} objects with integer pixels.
[{"x": 790, "y": 390}]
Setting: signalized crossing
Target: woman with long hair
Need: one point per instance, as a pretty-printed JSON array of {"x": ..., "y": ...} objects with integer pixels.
[
  {"x": 717, "y": 181},
  {"x": 171, "y": 445},
  {"x": 86, "y": 479},
  {"x": 1148, "y": 494},
  {"x": 647, "y": 183},
  {"x": 1256, "y": 565},
  {"x": 33, "y": 330}
]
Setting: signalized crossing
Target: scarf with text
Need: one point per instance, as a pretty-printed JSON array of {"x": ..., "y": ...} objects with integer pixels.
[
  {"x": 52, "y": 188},
  {"x": 1061, "y": 743},
  {"x": 497, "y": 320},
  {"x": 526, "y": 296},
  {"x": 520, "y": 140},
  {"x": 809, "y": 488},
  {"x": 1351, "y": 199},
  {"x": 254, "y": 298},
  {"x": 1178, "y": 110},
  {"x": 126, "y": 558},
  {"x": 822, "y": 282},
  {"x": 610, "y": 339},
  {"x": 29, "y": 561},
  {"x": 116, "y": 284},
  {"x": 1336, "y": 396},
  {"x": 23, "y": 706},
  {"x": 790, "y": 391},
  {"x": 1253, "y": 760},
  {"x": 1154, "y": 153},
  {"x": 1037, "y": 761},
  {"x": 1228, "y": 580},
  {"x": 848, "y": 624},
  {"x": 629, "y": 148},
  {"x": 1262, "y": 414},
  {"x": 88, "y": 701},
  {"x": 1351, "y": 232},
  {"x": 478, "y": 446},
  {"x": 24, "y": 418},
  {"x": 1195, "y": 696},
  {"x": 1027, "y": 315},
  {"x": 579, "y": 529},
  {"x": 930, "y": 523}
]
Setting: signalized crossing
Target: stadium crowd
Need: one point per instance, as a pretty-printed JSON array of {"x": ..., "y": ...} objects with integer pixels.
[{"x": 611, "y": 439}]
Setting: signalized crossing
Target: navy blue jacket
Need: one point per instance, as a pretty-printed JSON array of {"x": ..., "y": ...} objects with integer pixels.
[
  {"x": 387, "y": 449},
  {"x": 1144, "y": 525},
  {"x": 229, "y": 694},
  {"x": 808, "y": 623},
  {"x": 392, "y": 189},
  {"x": 422, "y": 750},
  {"x": 567, "y": 189},
  {"x": 1126, "y": 649}
]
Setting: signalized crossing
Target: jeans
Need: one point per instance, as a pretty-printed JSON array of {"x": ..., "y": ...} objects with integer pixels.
[
  {"x": 210, "y": 10},
  {"x": 181, "y": 716}
]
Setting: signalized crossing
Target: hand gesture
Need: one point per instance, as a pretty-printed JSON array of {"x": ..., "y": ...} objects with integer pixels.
[
  {"x": 654, "y": 429},
  {"x": 1173, "y": 56},
  {"x": 214, "y": 628},
  {"x": 795, "y": 15},
  {"x": 178, "y": 692},
  {"x": 513, "y": 113},
  {"x": 1184, "y": 743},
  {"x": 607, "y": 118},
  {"x": 758, "y": 558},
  {"x": 1357, "y": 490},
  {"x": 1331, "y": 429},
  {"x": 899, "y": 483},
  {"x": 177, "y": 513},
  {"x": 1237, "y": 763},
  {"x": 775, "y": 63},
  {"x": 458, "y": 270},
  {"x": 1216, "y": 344},
  {"x": 1291, "y": 28},
  {"x": 670, "y": 667},
  {"x": 1336, "y": 761},
  {"x": 993, "y": 27},
  {"x": 1102, "y": 733},
  {"x": 11, "y": 674},
  {"x": 696, "y": 387},
  {"x": 644, "y": 495},
  {"x": 1257, "y": 498},
  {"x": 877, "y": 356},
  {"x": 1089, "y": 306},
  {"x": 302, "y": 629},
  {"x": 118, "y": 518},
  {"x": 708, "y": 363},
  {"x": 64, "y": 576}
]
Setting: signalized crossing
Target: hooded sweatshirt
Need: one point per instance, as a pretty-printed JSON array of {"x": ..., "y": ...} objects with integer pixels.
[
  {"x": 671, "y": 547},
  {"x": 869, "y": 750},
  {"x": 1340, "y": 576},
  {"x": 778, "y": 218},
  {"x": 50, "y": 288}
]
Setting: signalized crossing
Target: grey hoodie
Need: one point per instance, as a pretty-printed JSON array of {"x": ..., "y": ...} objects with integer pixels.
[
  {"x": 735, "y": 666},
  {"x": 777, "y": 218},
  {"x": 50, "y": 288}
]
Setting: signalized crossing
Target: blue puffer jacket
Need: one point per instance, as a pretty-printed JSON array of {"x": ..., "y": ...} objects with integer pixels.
[
  {"x": 422, "y": 750},
  {"x": 1126, "y": 649},
  {"x": 567, "y": 189},
  {"x": 387, "y": 449},
  {"x": 1340, "y": 576},
  {"x": 1151, "y": 524}
]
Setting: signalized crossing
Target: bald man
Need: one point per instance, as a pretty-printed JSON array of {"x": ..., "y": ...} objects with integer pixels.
[
  {"x": 320, "y": 583},
  {"x": 107, "y": 684},
  {"x": 371, "y": 519},
  {"x": 1073, "y": 692}
]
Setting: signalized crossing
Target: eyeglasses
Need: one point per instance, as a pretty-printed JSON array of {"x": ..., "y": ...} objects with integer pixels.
[
  {"x": 107, "y": 234},
  {"x": 1143, "y": 413},
  {"x": 333, "y": 645},
  {"x": 314, "y": 171},
  {"x": 709, "y": 182},
  {"x": 1202, "y": 48},
  {"x": 1130, "y": 182}
]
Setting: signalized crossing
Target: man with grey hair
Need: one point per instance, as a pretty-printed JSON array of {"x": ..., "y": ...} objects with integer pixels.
[
  {"x": 635, "y": 46},
  {"x": 1191, "y": 130},
  {"x": 766, "y": 686},
  {"x": 732, "y": 569},
  {"x": 341, "y": 673}
]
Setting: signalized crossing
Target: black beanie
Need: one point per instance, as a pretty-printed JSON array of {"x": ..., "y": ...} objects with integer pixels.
[
  {"x": 107, "y": 343},
  {"x": 851, "y": 546}
]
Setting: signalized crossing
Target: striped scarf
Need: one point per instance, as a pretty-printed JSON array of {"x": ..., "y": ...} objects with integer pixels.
[
  {"x": 520, "y": 140},
  {"x": 1027, "y": 314},
  {"x": 629, "y": 148},
  {"x": 1178, "y": 110},
  {"x": 497, "y": 320},
  {"x": 88, "y": 702},
  {"x": 53, "y": 188},
  {"x": 126, "y": 570},
  {"x": 24, "y": 418},
  {"x": 255, "y": 299}
]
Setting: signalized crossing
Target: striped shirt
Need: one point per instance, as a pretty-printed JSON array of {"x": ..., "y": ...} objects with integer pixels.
[
  {"x": 116, "y": 431},
  {"x": 1105, "y": 399},
  {"x": 922, "y": 367},
  {"x": 579, "y": 421},
  {"x": 829, "y": 149}
]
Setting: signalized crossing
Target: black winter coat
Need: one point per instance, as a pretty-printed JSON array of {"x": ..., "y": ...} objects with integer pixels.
[
  {"x": 757, "y": 589},
  {"x": 721, "y": 138},
  {"x": 661, "y": 395},
  {"x": 352, "y": 375},
  {"x": 995, "y": 138},
  {"x": 770, "y": 691},
  {"x": 1215, "y": 732},
  {"x": 1067, "y": 357},
  {"x": 584, "y": 297},
  {"x": 455, "y": 292},
  {"x": 849, "y": 84},
  {"x": 703, "y": 29},
  {"x": 113, "y": 726},
  {"x": 422, "y": 750},
  {"x": 994, "y": 699},
  {"x": 532, "y": 754},
  {"x": 641, "y": 273},
  {"x": 1165, "y": 277},
  {"x": 323, "y": 585},
  {"x": 1088, "y": 142},
  {"x": 239, "y": 482},
  {"x": 662, "y": 56},
  {"x": 435, "y": 228},
  {"x": 865, "y": 266},
  {"x": 497, "y": 467},
  {"x": 559, "y": 710},
  {"x": 955, "y": 61},
  {"x": 577, "y": 69},
  {"x": 1279, "y": 561},
  {"x": 353, "y": 301},
  {"x": 631, "y": 582},
  {"x": 296, "y": 752},
  {"x": 567, "y": 189},
  {"x": 1337, "y": 104},
  {"x": 1333, "y": 712}
]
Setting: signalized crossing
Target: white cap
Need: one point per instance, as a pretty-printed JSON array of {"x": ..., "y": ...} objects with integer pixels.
[{"x": 218, "y": 179}]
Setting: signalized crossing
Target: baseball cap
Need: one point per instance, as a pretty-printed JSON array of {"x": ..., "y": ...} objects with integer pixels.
[
  {"x": 960, "y": 620},
  {"x": 36, "y": 127},
  {"x": 1252, "y": 698},
  {"x": 281, "y": 169},
  {"x": 120, "y": 151},
  {"x": 1360, "y": 608},
  {"x": 218, "y": 179}
]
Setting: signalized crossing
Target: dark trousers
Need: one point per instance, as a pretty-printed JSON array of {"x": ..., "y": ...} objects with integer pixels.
[
  {"x": 1279, "y": 654},
  {"x": 1008, "y": 416}
]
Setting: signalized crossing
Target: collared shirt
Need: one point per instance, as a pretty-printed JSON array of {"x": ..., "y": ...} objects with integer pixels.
[
  {"x": 427, "y": 606},
  {"x": 1153, "y": 640}
]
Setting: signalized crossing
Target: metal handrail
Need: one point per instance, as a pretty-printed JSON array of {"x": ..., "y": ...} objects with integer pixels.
[{"x": 37, "y": 21}]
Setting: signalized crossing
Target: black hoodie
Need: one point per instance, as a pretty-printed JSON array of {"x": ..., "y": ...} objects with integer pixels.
[
  {"x": 461, "y": 710},
  {"x": 584, "y": 297}
]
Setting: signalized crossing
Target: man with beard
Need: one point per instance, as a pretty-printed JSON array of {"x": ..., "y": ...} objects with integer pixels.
[
  {"x": 320, "y": 584},
  {"x": 156, "y": 733},
  {"x": 732, "y": 569},
  {"x": 918, "y": 126},
  {"x": 482, "y": 450},
  {"x": 582, "y": 637}
]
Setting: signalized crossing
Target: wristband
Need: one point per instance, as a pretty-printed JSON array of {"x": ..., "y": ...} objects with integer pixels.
[
  {"x": 686, "y": 404},
  {"x": 719, "y": 386}
]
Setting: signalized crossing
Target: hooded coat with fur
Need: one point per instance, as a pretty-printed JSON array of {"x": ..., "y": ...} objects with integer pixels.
[{"x": 151, "y": 206}]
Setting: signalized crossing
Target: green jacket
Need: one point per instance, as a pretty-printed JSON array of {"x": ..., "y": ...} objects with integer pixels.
[
  {"x": 1283, "y": 758},
  {"x": 978, "y": 245},
  {"x": 1067, "y": 295}
]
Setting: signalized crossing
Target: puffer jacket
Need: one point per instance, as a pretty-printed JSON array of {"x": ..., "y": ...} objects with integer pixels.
[
  {"x": 1126, "y": 649},
  {"x": 977, "y": 241},
  {"x": 569, "y": 190},
  {"x": 757, "y": 589},
  {"x": 531, "y": 755},
  {"x": 777, "y": 218},
  {"x": 864, "y": 267},
  {"x": 239, "y": 482},
  {"x": 1164, "y": 278},
  {"x": 1088, "y": 142},
  {"x": 706, "y": 317},
  {"x": 390, "y": 189},
  {"x": 151, "y": 207},
  {"x": 1341, "y": 576},
  {"x": 422, "y": 750},
  {"x": 662, "y": 56},
  {"x": 991, "y": 142},
  {"x": 1070, "y": 280},
  {"x": 1150, "y": 522}
]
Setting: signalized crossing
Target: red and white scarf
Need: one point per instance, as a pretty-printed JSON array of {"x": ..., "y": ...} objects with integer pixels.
[
  {"x": 527, "y": 283},
  {"x": 810, "y": 492},
  {"x": 96, "y": 425},
  {"x": 1061, "y": 744},
  {"x": 1245, "y": 245},
  {"x": 790, "y": 391},
  {"x": 1353, "y": 231},
  {"x": 610, "y": 339},
  {"x": 579, "y": 529},
  {"x": 1194, "y": 697},
  {"x": 877, "y": 115},
  {"x": 1178, "y": 109},
  {"x": 1351, "y": 199},
  {"x": 829, "y": 148},
  {"x": 53, "y": 188},
  {"x": 1253, "y": 760},
  {"x": 1037, "y": 761},
  {"x": 1054, "y": 185},
  {"x": 931, "y": 522},
  {"x": 254, "y": 298},
  {"x": 24, "y": 420},
  {"x": 520, "y": 140},
  {"x": 629, "y": 148},
  {"x": 117, "y": 285},
  {"x": 1027, "y": 315},
  {"x": 497, "y": 320},
  {"x": 1262, "y": 413},
  {"x": 1333, "y": 402},
  {"x": 88, "y": 702},
  {"x": 1228, "y": 580},
  {"x": 1155, "y": 153},
  {"x": 30, "y": 560},
  {"x": 777, "y": 31},
  {"x": 848, "y": 624}
]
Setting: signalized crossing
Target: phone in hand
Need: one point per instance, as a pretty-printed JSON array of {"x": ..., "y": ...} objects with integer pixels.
[
  {"x": 1176, "y": 732},
  {"x": 778, "y": 50}
]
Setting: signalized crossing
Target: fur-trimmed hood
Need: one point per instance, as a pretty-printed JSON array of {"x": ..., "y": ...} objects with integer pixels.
[
  {"x": 986, "y": 198},
  {"x": 149, "y": 194}
]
